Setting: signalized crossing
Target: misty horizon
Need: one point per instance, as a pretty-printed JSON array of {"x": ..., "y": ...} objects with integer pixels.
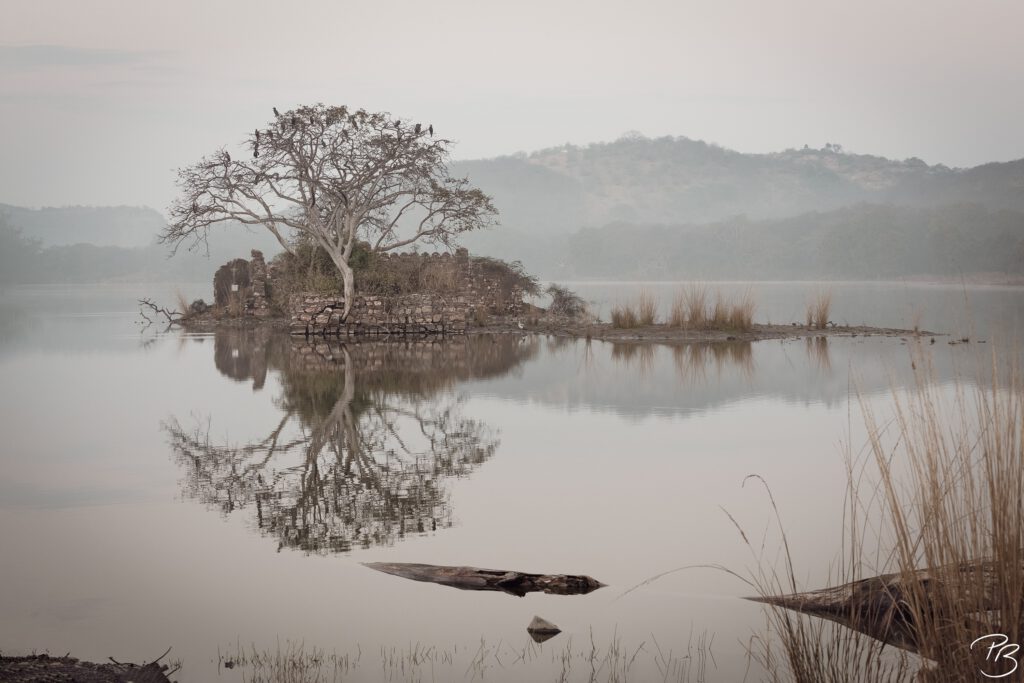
[{"x": 103, "y": 102}]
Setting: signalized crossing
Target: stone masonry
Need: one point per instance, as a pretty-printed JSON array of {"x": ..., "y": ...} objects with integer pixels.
[
  {"x": 240, "y": 286},
  {"x": 461, "y": 289},
  {"x": 374, "y": 315},
  {"x": 473, "y": 291}
]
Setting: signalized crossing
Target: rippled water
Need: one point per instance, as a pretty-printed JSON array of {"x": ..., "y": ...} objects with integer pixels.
[{"x": 215, "y": 491}]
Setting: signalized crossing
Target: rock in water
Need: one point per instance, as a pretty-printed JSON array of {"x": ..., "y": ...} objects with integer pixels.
[{"x": 541, "y": 629}]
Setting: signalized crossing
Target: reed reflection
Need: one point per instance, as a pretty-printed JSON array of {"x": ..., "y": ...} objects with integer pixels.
[
  {"x": 818, "y": 352},
  {"x": 639, "y": 357},
  {"x": 368, "y": 437},
  {"x": 692, "y": 360}
]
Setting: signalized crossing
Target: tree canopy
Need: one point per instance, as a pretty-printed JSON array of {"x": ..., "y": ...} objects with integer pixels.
[{"x": 335, "y": 176}]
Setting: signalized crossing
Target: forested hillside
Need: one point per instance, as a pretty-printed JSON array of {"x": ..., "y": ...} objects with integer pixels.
[
  {"x": 673, "y": 207},
  {"x": 859, "y": 242}
]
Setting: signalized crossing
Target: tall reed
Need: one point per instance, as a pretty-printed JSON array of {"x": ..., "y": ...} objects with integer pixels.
[
  {"x": 696, "y": 298},
  {"x": 819, "y": 308},
  {"x": 940, "y": 496},
  {"x": 741, "y": 312},
  {"x": 624, "y": 316},
  {"x": 647, "y": 308},
  {"x": 643, "y": 311}
]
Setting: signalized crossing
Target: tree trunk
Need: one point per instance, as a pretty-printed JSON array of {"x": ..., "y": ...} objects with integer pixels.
[
  {"x": 348, "y": 288},
  {"x": 348, "y": 285}
]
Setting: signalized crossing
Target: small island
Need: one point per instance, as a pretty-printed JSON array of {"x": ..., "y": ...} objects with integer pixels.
[{"x": 421, "y": 294}]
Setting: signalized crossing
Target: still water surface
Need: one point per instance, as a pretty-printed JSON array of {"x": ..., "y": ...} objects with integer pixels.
[{"x": 221, "y": 490}]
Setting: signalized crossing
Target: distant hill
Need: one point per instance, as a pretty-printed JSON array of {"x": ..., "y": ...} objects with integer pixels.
[
  {"x": 665, "y": 187},
  {"x": 110, "y": 244},
  {"x": 109, "y": 226},
  {"x": 679, "y": 180},
  {"x": 635, "y": 208}
]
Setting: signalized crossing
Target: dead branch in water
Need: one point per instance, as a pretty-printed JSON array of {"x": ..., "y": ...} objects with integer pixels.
[{"x": 171, "y": 316}]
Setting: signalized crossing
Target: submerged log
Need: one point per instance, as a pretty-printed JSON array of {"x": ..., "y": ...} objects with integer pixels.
[
  {"x": 476, "y": 579},
  {"x": 885, "y": 607}
]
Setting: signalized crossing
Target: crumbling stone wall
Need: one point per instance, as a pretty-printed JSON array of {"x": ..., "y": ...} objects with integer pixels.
[
  {"x": 241, "y": 287},
  {"x": 258, "y": 303},
  {"x": 468, "y": 289},
  {"x": 469, "y": 277},
  {"x": 231, "y": 283},
  {"x": 457, "y": 289},
  {"x": 318, "y": 315}
]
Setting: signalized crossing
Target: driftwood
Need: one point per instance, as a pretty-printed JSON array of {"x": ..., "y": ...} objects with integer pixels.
[
  {"x": 881, "y": 606},
  {"x": 171, "y": 316},
  {"x": 476, "y": 579}
]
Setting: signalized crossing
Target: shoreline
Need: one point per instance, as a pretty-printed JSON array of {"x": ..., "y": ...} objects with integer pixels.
[
  {"x": 654, "y": 334},
  {"x": 43, "y": 667}
]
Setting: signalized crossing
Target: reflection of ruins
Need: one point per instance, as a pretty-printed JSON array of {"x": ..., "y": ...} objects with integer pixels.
[{"x": 367, "y": 438}]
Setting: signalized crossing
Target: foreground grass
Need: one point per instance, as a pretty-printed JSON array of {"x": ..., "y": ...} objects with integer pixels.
[
  {"x": 941, "y": 489},
  {"x": 572, "y": 660}
]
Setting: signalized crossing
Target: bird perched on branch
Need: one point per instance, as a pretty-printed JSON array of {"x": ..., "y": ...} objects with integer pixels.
[
  {"x": 430, "y": 129},
  {"x": 276, "y": 112},
  {"x": 418, "y": 128}
]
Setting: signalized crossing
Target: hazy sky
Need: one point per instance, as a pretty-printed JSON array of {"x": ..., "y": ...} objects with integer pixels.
[{"x": 100, "y": 101}]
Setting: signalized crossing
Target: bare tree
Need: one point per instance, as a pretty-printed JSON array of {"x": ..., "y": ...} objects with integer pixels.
[{"x": 336, "y": 176}]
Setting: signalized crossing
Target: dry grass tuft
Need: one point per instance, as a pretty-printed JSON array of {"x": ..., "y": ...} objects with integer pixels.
[
  {"x": 818, "y": 309},
  {"x": 690, "y": 309},
  {"x": 624, "y": 317},
  {"x": 677, "y": 311},
  {"x": 718, "y": 317},
  {"x": 647, "y": 308},
  {"x": 695, "y": 299},
  {"x": 643, "y": 311},
  {"x": 741, "y": 312},
  {"x": 182, "y": 302}
]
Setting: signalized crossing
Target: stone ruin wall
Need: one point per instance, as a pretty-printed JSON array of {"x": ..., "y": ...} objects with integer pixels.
[
  {"x": 241, "y": 286},
  {"x": 472, "y": 291},
  {"x": 318, "y": 315}
]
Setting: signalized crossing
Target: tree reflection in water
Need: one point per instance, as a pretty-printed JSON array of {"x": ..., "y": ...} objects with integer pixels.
[{"x": 368, "y": 436}]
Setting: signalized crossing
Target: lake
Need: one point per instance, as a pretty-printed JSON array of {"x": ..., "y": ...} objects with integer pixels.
[{"x": 218, "y": 492}]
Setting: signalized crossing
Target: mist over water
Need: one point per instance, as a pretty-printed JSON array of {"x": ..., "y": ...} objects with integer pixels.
[
  {"x": 244, "y": 476},
  {"x": 220, "y": 486}
]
